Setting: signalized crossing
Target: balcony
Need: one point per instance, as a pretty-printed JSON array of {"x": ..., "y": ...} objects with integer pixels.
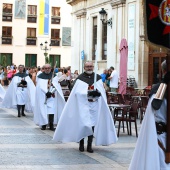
[
  {"x": 6, "y": 40},
  {"x": 7, "y": 17},
  {"x": 31, "y": 40},
  {"x": 32, "y": 18},
  {"x": 55, "y": 42},
  {"x": 55, "y": 19}
]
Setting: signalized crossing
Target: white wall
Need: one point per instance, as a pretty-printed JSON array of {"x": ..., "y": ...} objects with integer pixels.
[
  {"x": 119, "y": 14},
  {"x": 19, "y": 32}
]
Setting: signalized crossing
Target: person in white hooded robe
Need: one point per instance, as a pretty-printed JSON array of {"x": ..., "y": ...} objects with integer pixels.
[
  {"x": 49, "y": 99},
  {"x": 151, "y": 144},
  {"x": 2, "y": 92},
  {"x": 86, "y": 111},
  {"x": 20, "y": 93}
]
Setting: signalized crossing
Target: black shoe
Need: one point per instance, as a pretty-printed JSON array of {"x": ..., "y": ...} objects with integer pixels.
[
  {"x": 89, "y": 148},
  {"x": 81, "y": 145},
  {"x": 19, "y": 112},
  {"x": 52, "y": 128},
  {"x": 23, "y": 114},
  {"x": 43, "y": 127},
  {"x": 81, "y": 148}
]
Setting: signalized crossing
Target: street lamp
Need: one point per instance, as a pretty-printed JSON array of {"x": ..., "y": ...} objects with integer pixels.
[
  {"x": 103, "y": 18},
  {"x": 45, "y": 48}
]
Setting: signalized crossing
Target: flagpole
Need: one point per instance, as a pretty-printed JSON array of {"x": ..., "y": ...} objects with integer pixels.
[
  {"x": 167, "y": 155},
  {"x": 95, "y": 70}
]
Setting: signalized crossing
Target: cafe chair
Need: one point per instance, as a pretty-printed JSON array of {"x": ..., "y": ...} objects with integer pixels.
[
  {"x": 146, "y": 92},
  {"x": 120, "y": 115},
  {"x": 132, "y": 116},
  {"x": 144, "y": 103},
  {"x": 127, "y": 97},
  {"x": 120, "y": 99},
  {"x": 129, "y": 90},
  {"x": 111, "y": 98}
]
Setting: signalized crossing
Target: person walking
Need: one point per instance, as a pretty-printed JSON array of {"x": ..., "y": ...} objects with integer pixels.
[
  {"x": 9, "y": 73},
  {"x": 86, "y": 111},
  {"x": 20, "y": 93},
  {"x": 2, "y": 76},
  {"x": 2, "y": 92},
  {"x": 64, "y": 82},
  {"x": 50, "y": 99},
  {"x": 114, "y": 79},
  {"x": 151, "y": 144}
]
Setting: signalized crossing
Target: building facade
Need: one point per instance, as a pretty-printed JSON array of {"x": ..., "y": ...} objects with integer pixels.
[
  {"x": 94, "y": 38},
  {"x": 24, "y": 25}
]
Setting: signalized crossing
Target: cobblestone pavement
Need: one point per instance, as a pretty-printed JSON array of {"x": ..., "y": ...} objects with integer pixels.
[{"x": 24, "y": 146}]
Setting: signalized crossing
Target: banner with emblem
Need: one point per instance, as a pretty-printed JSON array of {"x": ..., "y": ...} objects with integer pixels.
[
  {"x": 158, "y": 32},
  {"x": 158, "y": 22}
]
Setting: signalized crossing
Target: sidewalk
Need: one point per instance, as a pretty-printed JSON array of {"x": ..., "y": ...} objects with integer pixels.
[{"x": 24, "y": 146}]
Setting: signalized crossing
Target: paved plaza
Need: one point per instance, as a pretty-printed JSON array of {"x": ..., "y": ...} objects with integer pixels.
[{"x": 23, "y": 145}]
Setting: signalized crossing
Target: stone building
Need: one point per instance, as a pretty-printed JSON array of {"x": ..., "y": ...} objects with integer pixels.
[
  {"x": 25, "y": 24},
  {"x": 124, "y": 19}
]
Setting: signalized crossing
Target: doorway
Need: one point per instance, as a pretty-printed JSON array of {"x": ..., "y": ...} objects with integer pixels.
[
  {"x": 155, "y": 73},
  {"x": 54, "y": 59}
]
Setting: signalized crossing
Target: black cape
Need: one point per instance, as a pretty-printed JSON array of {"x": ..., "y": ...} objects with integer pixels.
[
  {"x": 88, "y": 78},
  {"x": 22, "y": 75},
  {"x": 45, "y": 76}
]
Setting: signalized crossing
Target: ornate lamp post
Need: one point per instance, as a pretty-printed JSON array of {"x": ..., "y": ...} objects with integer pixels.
[
  {"x": 103, "y": 18},
  {"x": 45, "y": 48}
]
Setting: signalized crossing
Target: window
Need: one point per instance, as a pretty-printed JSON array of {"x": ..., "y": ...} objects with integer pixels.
[
  {"x": 31, "y": 36},
  {"x": 6, "y": 31},
  {"x": 5, "y": 59},
  {"x": 104, "y": 41},
  {"x": 6, "y": 35},
  {"x": 55, "y": 37},
  {"x": 32, "y": 14},
  {"x": 7, "y": 8},
  {"x": 7, "y": 12},
  {"x": 55, "y": 18},
  {"x": 94, "y": 38},
  {"x": 31, "y": 60},
  {"x": 55, "y": 11},
  {"x": 31, "y": 32},
  {"x": 53, "y": 59}
]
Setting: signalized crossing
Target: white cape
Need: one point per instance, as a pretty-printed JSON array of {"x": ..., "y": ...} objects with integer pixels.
[
  {"x": 146, "y": 153},
  {"x": 10, "y": 99},
  {"x": 74, "y": 123},
  {"x": 2, "y": 92},
  {"x": 40, "y": 111}
]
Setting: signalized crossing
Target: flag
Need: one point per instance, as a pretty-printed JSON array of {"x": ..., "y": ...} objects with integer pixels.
[
  {"x": 44, "y": 17},
  {"x": 158, "y": 22}
]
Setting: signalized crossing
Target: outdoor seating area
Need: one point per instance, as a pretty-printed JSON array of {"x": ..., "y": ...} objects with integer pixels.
[{"x": 128, "y": 109}]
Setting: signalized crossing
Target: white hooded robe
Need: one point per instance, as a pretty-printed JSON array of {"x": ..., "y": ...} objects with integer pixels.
[
  {"x": 15, "y": 96},
  {"x": 53, "y": 106},
  {"x": 75, "y": 122},
  {"x": 2, "y": 92},
  {"x": 147, "y": 154}
]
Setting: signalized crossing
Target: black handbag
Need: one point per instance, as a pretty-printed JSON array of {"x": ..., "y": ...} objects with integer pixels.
[{"x": 64, "y": 83}]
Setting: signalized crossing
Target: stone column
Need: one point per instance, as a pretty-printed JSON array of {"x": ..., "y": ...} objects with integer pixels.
[
  {"x": 118, "y": 7},
  {"x": 80, "y": 34}
]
